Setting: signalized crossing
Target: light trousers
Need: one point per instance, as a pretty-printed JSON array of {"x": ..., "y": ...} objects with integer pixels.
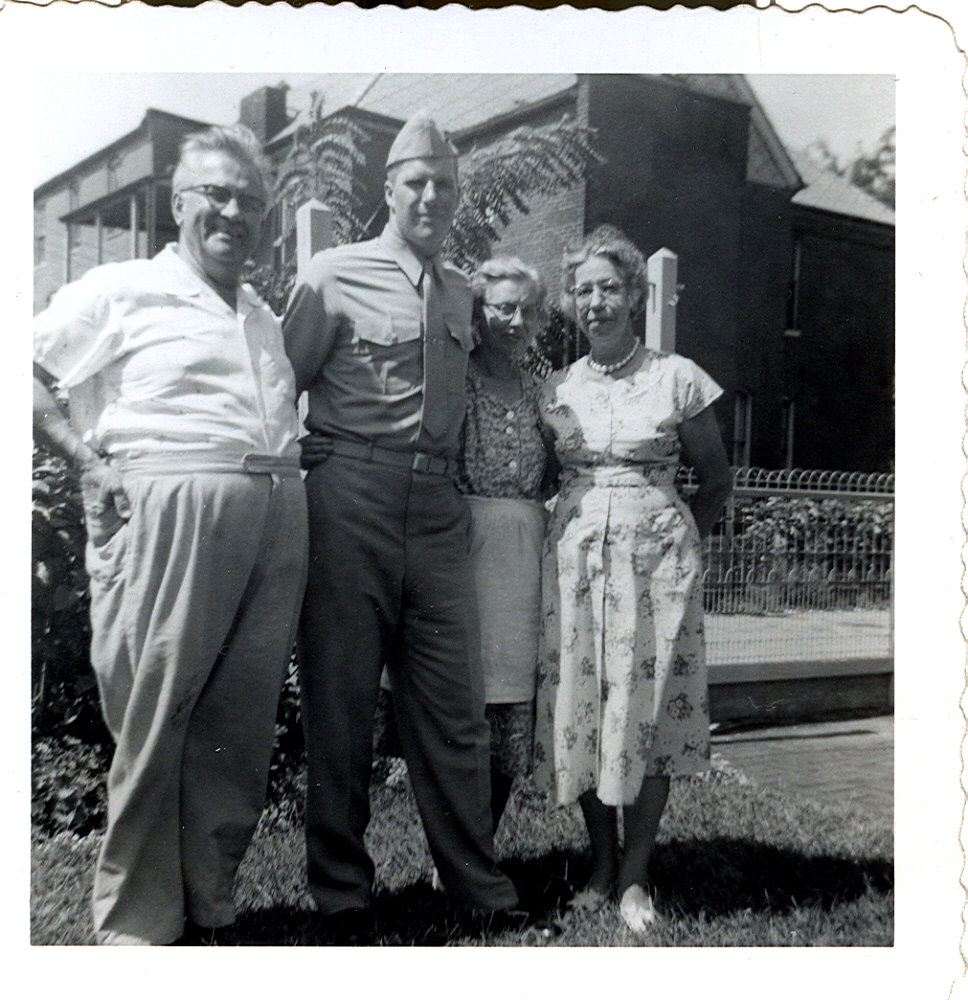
[{"x": 194, "y": 605}]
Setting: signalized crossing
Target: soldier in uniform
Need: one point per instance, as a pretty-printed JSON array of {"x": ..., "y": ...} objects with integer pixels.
[{"x": 379, "y": 334}]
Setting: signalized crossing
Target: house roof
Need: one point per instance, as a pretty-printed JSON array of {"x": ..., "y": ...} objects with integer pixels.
[
  {"x": 151, "y": 116},
  {"x": 462, "y": 101},
  {"x": 831, "y": 192},
  {"x": 457, "y": 101}
]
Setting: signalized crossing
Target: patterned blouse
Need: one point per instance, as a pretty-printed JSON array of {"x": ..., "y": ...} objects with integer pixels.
[{"x": 503, "y": 452}]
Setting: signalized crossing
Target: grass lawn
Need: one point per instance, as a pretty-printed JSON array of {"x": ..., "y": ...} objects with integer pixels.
[{"x": 736, "y": 864}]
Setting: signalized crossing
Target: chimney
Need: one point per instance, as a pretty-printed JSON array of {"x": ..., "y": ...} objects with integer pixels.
[{"x": 264, "y": 111}]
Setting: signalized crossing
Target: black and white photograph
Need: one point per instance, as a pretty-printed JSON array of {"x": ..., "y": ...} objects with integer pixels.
[{"x": 463, "y": 490}]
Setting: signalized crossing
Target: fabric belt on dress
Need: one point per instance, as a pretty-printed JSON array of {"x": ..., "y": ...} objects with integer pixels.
[
  {"x": 416, "y": 461},
  {"x": 661, "y": 474}
]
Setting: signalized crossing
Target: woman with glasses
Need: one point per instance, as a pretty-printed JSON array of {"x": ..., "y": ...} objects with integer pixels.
[
  {"x": 622, "y": 701},
  {"x": 502, "y": 472}
]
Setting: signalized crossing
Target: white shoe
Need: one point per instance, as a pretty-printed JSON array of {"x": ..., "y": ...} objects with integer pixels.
[{"x": 637, "y": 909}]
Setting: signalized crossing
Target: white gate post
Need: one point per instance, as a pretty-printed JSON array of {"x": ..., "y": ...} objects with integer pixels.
[
  {"x": 314, "y": 231},
  {"x": 660, "y": 314}
]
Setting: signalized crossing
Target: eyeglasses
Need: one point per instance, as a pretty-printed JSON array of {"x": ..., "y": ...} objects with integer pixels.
[
  {"x": 219, "y": 197},
  {"x": 607, "y": 289},
  {"x": 506, "y": 311}
]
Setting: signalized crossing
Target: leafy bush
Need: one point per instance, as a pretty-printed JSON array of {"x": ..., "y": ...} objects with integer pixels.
[
  {"x": 556, "y": 345},
  {"x": 68, "y": 787},
  {"x": 789, "y": 553},
  {"x": 325, "y": 161},
  {"x": 498, "y": 180},
  {"x": 289, "y": 751},
  {"x": 788, "y": 523},
  {"x": 272, "y": 284},
  {"x": 63, "y": 687}
]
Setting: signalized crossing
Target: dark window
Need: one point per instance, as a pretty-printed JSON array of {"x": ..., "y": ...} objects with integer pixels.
[
  {"x": 793, "y": 289},
  {"x": 742, "y": 427},
  {"x": 787, "y": 429}
]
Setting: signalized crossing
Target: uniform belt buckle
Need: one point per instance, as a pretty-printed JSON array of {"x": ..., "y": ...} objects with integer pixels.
[{"x": 422, "y": 462}]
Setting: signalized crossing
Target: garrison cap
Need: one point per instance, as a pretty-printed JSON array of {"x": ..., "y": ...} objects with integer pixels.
[{"x": 420, "y": 139}]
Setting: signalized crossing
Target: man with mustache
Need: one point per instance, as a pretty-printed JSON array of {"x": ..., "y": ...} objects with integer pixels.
[
  {"x": 379, "y": 334},
  {"x": 182, "y": 423}
]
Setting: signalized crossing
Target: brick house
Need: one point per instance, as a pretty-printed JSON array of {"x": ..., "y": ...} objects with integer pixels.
[{"x": 788, "y": 287}]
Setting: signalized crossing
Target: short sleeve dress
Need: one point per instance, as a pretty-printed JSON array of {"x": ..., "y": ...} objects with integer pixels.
[
  {"x": 622, "y": 684},
  {"x": 502, "y": 463}
]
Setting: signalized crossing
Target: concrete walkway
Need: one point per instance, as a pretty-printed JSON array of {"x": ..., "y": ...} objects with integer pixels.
[
  {"x": 798, "y": 635},
  {"x": 851, "y": 762}
]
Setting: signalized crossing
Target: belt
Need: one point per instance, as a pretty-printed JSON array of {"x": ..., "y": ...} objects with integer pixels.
[
  {"x": 181, "y": 462},
  {"x": 416, "y": 461}
]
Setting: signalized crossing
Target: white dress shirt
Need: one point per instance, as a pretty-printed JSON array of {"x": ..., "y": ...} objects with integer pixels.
[{"x": 154, "y": 360}]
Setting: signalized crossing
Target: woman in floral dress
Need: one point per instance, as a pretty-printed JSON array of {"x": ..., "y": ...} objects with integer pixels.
[
  {"x": 503, "y": 467},
  {"x": 622, "y": 690}
]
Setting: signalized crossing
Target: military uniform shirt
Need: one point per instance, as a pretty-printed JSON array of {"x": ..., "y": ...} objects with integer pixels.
[{"x": 354, "y": 333}]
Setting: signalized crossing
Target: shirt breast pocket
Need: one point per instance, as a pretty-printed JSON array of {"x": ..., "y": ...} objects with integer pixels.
[
  {"x": 459, "y": 326},
  {"x": 392, "y": 349}
]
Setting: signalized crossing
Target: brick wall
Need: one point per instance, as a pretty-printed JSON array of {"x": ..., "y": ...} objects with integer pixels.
[
  {"x": 675, "y": 176},
  {"x": 539, "y": 237}
]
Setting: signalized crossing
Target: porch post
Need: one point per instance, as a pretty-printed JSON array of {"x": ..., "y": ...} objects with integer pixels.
[
  {"x": 152, "y": 223},
  {"x": 133, "y": 222}
]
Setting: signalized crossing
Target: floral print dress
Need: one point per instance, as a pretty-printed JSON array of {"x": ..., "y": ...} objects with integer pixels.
[
  {"x": 621, "y": 687},
  {"x": 502, "y": 464}
]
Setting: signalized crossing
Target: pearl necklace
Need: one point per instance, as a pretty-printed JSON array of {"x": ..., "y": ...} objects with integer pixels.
[{"x": 608, "y": 369}]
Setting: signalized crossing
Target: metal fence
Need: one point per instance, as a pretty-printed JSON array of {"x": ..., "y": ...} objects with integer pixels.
[{"x": 800, "y": 567}]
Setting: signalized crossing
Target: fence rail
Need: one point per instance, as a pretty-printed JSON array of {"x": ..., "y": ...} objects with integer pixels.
[
  {"x": 805, "y": 482},
  {"x": 800, "y": 567}
]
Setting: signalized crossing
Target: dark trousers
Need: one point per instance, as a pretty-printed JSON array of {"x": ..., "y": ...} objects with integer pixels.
[{"x": 389, "y": 582}]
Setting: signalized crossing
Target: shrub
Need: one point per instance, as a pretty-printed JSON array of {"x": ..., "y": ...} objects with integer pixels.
[
  {"x": 289, "y": 751},
  {"x": 68, "y": 787},
  {"x": 786, "y": 523},
  {"x": 787, "y": 553},
  {"x": 64, "y": 694}
]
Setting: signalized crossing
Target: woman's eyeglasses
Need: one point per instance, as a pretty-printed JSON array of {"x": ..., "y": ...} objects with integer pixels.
[
  {"x": 607, "y": 289},
  {"x": 219, "y": 197},
  {"x": 506, "y": 311}
]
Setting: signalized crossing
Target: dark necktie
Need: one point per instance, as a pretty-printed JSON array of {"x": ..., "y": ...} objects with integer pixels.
[{"x": 435, "y": 376}]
